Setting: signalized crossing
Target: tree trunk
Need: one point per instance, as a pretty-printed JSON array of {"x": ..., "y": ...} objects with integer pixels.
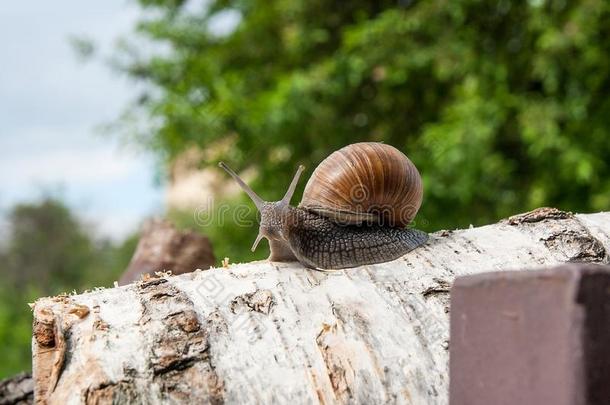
[
  {"x": 278, "y": 333},
  {"x": 162, "y": 247}
]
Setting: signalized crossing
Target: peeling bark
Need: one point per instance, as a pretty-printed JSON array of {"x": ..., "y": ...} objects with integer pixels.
[{"x": 278, "y": 333}]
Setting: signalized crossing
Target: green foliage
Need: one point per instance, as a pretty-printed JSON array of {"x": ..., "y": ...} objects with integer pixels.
[
  {"x": 48, "y": 246},
  {"x": 15, "y": 330},
  {"x": 231, "y": 229},
  {"x": 48, "y": 251},
  {"x": 502, "y": 105}
]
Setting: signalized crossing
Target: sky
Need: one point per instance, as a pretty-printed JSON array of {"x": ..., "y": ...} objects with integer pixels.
[{"x": 52, "y": 104}]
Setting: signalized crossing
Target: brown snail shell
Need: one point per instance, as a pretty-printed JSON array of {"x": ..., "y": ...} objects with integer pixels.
[{"x": 365, "y": 182}]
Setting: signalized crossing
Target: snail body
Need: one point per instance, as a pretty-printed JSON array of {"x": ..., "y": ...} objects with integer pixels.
[{"x": 354, "y": 210}]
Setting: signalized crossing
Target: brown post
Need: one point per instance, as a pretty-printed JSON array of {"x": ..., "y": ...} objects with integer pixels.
[
  {"x": 163, "y": 247},
  {"x": 531, "y": 337}
]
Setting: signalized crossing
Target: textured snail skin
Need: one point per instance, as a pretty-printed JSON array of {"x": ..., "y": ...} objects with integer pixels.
[{"x": 322, "y": 244}]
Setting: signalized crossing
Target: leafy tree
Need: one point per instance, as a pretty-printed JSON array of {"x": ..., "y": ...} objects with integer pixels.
[
  {"x": 48, "y": 246},
  {"x": 502, "y": 105}
]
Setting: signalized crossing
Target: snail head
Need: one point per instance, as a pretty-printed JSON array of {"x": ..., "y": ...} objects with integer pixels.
[{"x": 273, "y": 214}]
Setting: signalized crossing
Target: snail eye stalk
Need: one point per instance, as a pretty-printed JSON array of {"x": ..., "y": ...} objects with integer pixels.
[
  {"x": 293, "y": 186},
  {"x": 253, "y": 196}
]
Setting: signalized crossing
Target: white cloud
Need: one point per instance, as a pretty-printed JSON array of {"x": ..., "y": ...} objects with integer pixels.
[{"x": 67, "y": 166}]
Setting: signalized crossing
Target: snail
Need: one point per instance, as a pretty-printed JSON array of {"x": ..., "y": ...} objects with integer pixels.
[{"x": 354, "y": 210}]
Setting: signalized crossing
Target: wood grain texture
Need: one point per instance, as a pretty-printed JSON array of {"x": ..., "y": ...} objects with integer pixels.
[{"x": 279, "y": 333}]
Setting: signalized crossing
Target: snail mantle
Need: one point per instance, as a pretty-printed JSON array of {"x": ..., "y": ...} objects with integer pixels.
[{"x": 269, "y": 332}]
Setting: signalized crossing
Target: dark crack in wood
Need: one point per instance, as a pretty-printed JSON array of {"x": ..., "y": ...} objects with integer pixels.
[
  {"x": 261, "y": 301},
  {"x": 181, "y": 353}
]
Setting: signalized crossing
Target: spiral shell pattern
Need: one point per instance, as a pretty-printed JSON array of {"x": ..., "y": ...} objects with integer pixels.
[{"x": 366, "y": 182}]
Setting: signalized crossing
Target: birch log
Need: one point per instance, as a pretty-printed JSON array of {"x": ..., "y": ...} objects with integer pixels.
[{"x": 278, "y": 333}]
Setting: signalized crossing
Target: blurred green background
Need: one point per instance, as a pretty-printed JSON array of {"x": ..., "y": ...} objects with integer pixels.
[{"x": 502, "y": 105}]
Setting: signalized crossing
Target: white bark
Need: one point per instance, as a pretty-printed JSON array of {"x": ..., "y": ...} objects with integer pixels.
[{"x": 278, "y": 333}]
